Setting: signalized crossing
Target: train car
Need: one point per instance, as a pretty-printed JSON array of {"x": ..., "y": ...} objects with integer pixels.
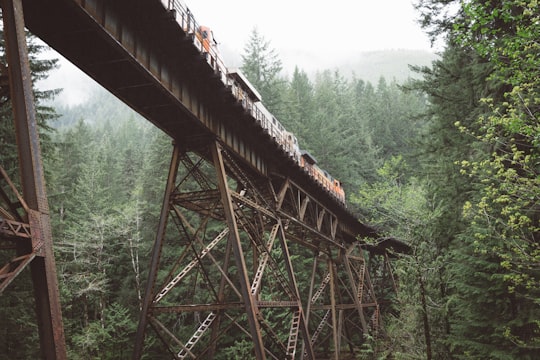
[
  {"x": 206, "y": 37},
  {"x": 291, "y": 146},
  {"x": 242, "y": 90},
  {"x": 251, "y": 100},
  {"x": 270, "y": 124},
  {"x": 208, "y": 46},
  {"x": 332, "y": 185}
]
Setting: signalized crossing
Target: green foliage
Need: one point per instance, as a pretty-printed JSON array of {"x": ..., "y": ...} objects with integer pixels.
[
  {"x": 398, "y": 203},
  {"x": 107, "y": 339},
  {"x": 504, "y": 214},
  {"x": 493, "y": 282},
  {"x": 19, "y": 328},
  {"x": 44, "y": 114},
  {"x": 262, "y": 66},
  {"x": 104, "y": 210},
  {"x": 240, "y": 350},
  {"x": 438, "y": 17},
  {"x": 336, "y": 119},
  {"x": 394, "y": 203},
  {"x": 400, "y": 161}
]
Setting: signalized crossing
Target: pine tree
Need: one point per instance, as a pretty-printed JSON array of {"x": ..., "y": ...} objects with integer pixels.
[
  {"x": 503, "y": 214},
  {"x": 262, "y": 66},
  {"x": 454, "y": 86},
  {"x": 40, "y": 69},
  {"x": 490, "y": 286},
  {"x": 298, "y": 104}
]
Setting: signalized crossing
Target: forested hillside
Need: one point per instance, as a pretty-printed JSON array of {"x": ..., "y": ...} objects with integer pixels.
[
  {"x": 448, "y": 162},
  {"x": 394, "y": 65}
]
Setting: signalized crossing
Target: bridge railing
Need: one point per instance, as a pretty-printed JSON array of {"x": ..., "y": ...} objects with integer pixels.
[{"x": 185, "y": 18}]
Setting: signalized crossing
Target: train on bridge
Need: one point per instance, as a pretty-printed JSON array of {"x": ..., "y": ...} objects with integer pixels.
[{"x": 250, "y": 99}]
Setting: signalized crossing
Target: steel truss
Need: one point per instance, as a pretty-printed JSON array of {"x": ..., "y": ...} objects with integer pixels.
[{"x": 229, "y": 252}]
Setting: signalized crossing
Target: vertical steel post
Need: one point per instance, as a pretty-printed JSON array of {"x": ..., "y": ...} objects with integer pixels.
[
  {"x": 335, "y": 333},
  {"x": 221, "y": 296},
  {"x": 308, "y": 348},
  {"x": 387, "y": 265},
  {"x": 43, "y": 268},
  {"x": 156, "y": 254},
  {"x": 234, "y": 238},
  {"x": 310, "y": 295},
  {"x": 354, "y": 286}
]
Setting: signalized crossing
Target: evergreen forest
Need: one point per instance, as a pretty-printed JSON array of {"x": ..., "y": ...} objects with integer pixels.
[{"x": 447, "y": 161}]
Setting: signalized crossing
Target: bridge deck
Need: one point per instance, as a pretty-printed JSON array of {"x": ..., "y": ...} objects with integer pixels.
[{"x": 137, "y": 51}]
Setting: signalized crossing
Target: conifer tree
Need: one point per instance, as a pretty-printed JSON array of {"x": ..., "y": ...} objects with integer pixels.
[
  {"x": 492, "y": 291},
  {"x": 298, "y": 104},
  {"x": 262, "y": 66},
  {"x": 502, "y": 238}
]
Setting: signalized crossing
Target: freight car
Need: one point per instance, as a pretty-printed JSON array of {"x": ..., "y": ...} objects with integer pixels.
[{"x": 250, "y": 99}]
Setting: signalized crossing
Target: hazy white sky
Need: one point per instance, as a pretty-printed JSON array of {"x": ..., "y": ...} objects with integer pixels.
[
  {"x": 313, "y": 34},
  {"x": 310, "y": 34}
]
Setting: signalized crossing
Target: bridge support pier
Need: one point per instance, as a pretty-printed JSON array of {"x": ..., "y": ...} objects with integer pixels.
[
  {"x": 221, "y": 275},
  {"x": 231, "y": 267},
  {"x": 30, "y": 211}
]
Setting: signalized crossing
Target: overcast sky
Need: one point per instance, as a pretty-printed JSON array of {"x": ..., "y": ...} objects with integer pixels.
[
  {"x": 310, "y": 34},
  {"x": 313, "y": 34}
]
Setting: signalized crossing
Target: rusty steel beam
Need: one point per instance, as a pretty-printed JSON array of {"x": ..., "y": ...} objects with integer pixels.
[
  {"x": 290, "y": 271},
  {"x": 163, "y": 76},
  {"x": 43, "y": 268},
  {"x": 153, "y": 78},
  {"x": 156, "y": 255},
  {"x": 357, "y": 286},
  {"x": 234, "y": 237},
  {"x": 333, "y": 307},
  {"x": 343, "y": 306},
  {"x": 14, "y": 229}
]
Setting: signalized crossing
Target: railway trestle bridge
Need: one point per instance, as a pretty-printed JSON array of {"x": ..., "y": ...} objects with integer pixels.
[{"x": 240, "y": 219}]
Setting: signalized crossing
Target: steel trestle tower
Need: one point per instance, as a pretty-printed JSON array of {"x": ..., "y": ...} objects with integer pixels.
[{"x": 222, "y": 272}]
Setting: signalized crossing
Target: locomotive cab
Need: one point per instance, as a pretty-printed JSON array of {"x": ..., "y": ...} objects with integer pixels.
[
  {"x": 207, "y": 39},
  {"x": 338, "y": 190}
]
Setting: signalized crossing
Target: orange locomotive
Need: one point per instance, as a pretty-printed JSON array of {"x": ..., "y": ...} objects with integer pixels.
[{"x": 332, "y": 185}]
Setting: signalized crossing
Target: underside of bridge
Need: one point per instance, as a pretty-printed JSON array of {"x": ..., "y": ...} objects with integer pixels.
[{"x": 249, "y": 250}]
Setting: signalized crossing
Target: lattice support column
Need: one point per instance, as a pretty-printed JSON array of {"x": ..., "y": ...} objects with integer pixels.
[
  {"x": 230, "y": 274},
  {"x": 221, "y": 273},
  {"x": 250, "y": 306},
  {"x": 342, "y": 305},
  {"x": 365, "y": 299},
  {"x": 36, "y": 250},
  {"x": 156, "y": 255}
]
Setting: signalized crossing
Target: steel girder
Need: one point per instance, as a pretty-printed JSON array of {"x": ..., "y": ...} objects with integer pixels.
[
  {"x": 24, "y": 220},
  {"x": 250, "y": 265}
]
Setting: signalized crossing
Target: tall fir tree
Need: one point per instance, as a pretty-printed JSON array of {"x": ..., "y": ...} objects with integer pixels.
[
  {"x": 262, "y": 66},
  {"x": 489, "y": 185},
  {"x": 502, "y": 239}
]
